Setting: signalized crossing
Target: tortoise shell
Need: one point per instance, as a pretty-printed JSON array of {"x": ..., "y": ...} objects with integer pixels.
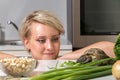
[{"x": 92, "y": 54}]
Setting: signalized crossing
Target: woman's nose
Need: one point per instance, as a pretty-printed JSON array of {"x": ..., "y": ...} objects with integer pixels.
[{"x": 49, "y": 45}]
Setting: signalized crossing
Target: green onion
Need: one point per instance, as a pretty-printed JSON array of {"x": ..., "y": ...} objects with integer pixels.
[
  {"x": 81, "y": 72},
  {"x": 83, "y": 69},
  {"x": 89, "y": 76}
]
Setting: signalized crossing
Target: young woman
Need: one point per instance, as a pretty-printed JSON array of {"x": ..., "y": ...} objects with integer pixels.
[{"x": 40, "y": 32}]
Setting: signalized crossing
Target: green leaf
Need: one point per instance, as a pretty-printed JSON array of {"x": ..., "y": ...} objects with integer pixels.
[{"x": 117, "y": 47}]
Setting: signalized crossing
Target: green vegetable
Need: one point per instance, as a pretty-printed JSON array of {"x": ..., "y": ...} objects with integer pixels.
[
  {"x": 117, "y": 47},
  {"x": 82, "y": 72},
  {"x": 67, "y": 63},
  {"x": 84, "y": 69},
  {"x": 89, "y": 76},
  {"x": 46, "y": 76},
  {"x": 94, "y": 63}
]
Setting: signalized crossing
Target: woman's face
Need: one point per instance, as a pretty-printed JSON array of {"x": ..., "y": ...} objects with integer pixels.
[{"x": 44, "y": 42}]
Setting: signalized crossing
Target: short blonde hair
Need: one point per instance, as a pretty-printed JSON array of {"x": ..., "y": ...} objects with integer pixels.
[{"x": 40, "y": 16}]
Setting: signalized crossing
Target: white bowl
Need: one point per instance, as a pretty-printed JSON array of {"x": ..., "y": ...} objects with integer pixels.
[{"x": 18, "y": 67}]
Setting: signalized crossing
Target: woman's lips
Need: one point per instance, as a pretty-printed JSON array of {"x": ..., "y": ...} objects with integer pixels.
[{"x": 49, "y": 53}]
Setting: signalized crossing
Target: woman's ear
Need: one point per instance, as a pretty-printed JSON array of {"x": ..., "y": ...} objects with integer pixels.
[{"x": 26, "y": 44}]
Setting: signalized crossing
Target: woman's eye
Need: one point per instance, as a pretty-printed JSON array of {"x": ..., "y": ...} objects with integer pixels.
[
  {"x": 55, "y": 39},
  {"x": 41, "y": 41}
]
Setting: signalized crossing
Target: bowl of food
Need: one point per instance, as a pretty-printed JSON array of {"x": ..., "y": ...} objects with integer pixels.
[{"x": 18, "y": 67}]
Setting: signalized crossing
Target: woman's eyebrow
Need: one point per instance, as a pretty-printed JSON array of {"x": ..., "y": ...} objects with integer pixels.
[
  {"x": 40, "y": 37},
  {"x": 56, "y": 35}
]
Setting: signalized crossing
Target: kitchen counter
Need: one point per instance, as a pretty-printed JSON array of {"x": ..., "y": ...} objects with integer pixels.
[{"x": 110, "y": 77}]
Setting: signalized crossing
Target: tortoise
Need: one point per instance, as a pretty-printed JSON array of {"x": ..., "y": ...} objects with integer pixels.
[{"x": 93, "y": 54}]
